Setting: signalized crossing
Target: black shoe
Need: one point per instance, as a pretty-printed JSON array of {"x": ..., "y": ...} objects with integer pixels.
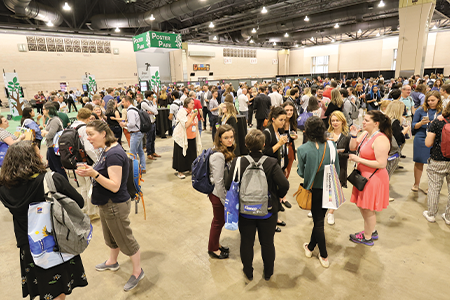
[
  {"x": 403, "y": 156},
  {"x": 400, "y": 167},
  {"x": 224, "y": 249},
  {"x": 282, "y": 208},
  {"x": 282, "y": 223},
  {"x": 223, "y": 255},
  {"x": 287, "y": 204},
  {"x": 277, "y": 229},
  {"x": 266, "y": 278},
  {"x": 249, "y": 276}
]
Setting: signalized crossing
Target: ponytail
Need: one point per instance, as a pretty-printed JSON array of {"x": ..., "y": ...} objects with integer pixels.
[{"x": 384, "y": 121}]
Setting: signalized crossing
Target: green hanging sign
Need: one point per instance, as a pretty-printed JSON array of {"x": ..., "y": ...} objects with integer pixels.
[{"x": 154, "y": 39}]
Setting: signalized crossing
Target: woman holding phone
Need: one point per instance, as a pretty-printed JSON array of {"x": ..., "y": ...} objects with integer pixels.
[{"x": 431, "y": 108}]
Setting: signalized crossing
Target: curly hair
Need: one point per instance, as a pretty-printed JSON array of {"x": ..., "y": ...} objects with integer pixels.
[
  {"x": 315, "y": 130},
  {"x": 20, "y": 164},
  {"x": 227, "y": 152}
]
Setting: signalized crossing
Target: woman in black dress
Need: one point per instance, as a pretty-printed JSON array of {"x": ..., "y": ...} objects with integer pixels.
[
  {"x": 338, "y": 131},
  {"x": 336, "y": 104},
  {"x": 22, "y": 182},
  {"x": 113, "y": 117}
]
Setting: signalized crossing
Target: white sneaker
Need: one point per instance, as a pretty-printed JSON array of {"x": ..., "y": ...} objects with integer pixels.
[
  {"x": 429, "y": 218},
  {"x": 310, "y": 215},
  {"x": 446, "y": 221},
  {"x": 323, "y": 262},
  {"x": 330, "y": 219},
  {"x": 307, "y": 252}
]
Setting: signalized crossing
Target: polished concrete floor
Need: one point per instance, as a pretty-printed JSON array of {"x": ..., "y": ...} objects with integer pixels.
[{"x": 410, "y": 260}]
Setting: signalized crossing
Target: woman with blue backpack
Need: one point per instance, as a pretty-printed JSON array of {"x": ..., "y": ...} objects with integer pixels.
[
  {"x": 21, "y": 184},
  {"x": 219, "y": 164},
  {"x": 27, "y": 121},
  {"x": 278, "y": 187}
]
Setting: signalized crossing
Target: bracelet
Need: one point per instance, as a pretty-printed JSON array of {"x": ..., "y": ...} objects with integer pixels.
[
  {"x": 354, "y": 136},
  {"x": 98, "y": 174}
]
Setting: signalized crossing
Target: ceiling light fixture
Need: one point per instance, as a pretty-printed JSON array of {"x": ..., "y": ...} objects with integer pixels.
[
  {"x": 66, "y": 7},
  {"x": 49, "y": 23},
  {"x": 381, "y": 4},
  {"x": 336, "y": 26},
  {"x": 333, "y": 40},
  {"x": 434, "y": 27},
  {"x": 253, "y": 30},
  {"x": 251, "y": 41},
  {"x": 378, "y": 33},
  {"x": 296, "y": 45},
  {"x": 303, "y": 46},
  {"x": 152, "y": 18},
  {"x": 263, "y": 10},
  {"x": 359, "y": 31},
  {"x": 274, "y": 43},
  {"x": 312, "y": 38},
  {"x": 211, "y": 25},
  {"x": 117, "y": 29},
  {"x": 306, "y": 19},
  {"x": 286, "y": 35},
  {"x": 215, "y": 38}
]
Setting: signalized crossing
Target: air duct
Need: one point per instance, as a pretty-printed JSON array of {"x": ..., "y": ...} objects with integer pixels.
[
  {"x": 33, "y": 10},
  {"x": 163, "y": 13},
  {"x": 371, "y": 25},
  {"x": 347, "y": 13}
]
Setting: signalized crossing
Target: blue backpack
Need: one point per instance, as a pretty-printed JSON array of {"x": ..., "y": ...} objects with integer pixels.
[
  {"x": 301, "y": 120},
  {"x": 134, "y": 181},
  {"x": 200, "y": 173},
  {"x": 3, "y": 148}
]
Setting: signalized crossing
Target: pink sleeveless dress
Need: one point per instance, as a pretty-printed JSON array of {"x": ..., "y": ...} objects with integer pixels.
[{"x": 375, "y": 195}]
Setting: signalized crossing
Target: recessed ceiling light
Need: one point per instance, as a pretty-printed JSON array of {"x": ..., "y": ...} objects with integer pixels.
[
  {"x": 274, "y": 43},
  {"x": 312, "y": 38},
  {"x": 152, "y": 18},
  {"x": 333, "y": 40},
  {"x": 434, "y": 27},
  {"x": 306, "y": 19},
  {"x": 253, "y": 30},
  {"x": 211, "y": 25},
  {"x": 215, "y": 38},
  {"x": 251, "y": 41},
  {"x": 49, "y": 23},
  {"x": 296, "y": 45},
  {"x": 336, "y": 26},
  {"x": 117, "y": 29},
  {"x": 66, "y": 7},
  {"x": 359, "y": 31},
  {"x": 381, "y": 4},
  {"x": 263, "y": 10},
  {"x": 286, "y": 35},
  {"x": 378, "y": 33}
]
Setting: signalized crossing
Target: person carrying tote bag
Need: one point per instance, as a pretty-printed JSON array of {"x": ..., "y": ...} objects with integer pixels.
[{"x": 309, "y": 156}]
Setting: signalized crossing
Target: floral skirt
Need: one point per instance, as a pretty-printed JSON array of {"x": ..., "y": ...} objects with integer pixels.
[{"x": 50, "y": 283}]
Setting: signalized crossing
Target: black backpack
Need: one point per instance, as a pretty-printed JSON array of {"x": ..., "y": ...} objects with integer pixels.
[
  {"x": 144, "y": 117},
  {"x": 71, "y": 149}
]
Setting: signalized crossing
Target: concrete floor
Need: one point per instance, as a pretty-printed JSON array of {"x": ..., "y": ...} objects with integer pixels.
[{"x": 410, "y": 260}]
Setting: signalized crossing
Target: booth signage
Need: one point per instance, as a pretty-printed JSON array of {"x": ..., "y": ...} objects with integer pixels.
[
  {"x": 227, "y": 61},
  {"x": 201, "y": 67},
  {"x": 154, "y": 39}
]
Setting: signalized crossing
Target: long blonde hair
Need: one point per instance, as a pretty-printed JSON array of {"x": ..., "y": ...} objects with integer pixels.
[
  {"x": 341, "y": 118},
  {"x": 336, "y": 98},
  {"x": 163, "y": 95},
  {"x": 231, "y": 111},
  {"x": 395, "y": 110},
  {"x": 308, "y": 92}
]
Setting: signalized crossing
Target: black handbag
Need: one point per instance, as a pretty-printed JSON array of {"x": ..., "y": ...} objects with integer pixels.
[{"x": 356, "y": 178}]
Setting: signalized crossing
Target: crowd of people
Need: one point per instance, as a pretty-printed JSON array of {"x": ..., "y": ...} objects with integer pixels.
[{"x": 364, "y": 121}]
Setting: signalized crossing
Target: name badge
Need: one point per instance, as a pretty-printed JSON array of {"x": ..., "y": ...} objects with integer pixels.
[{"x": 194, "y": 129}]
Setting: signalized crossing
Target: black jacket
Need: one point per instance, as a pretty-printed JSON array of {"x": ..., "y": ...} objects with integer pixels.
[
  {"x": 276, "y": 181},
  {"x": 262, "y": 105},
  {"x": 18, "y": 198},
  {"x": 271, "y": 140},
  {"x": 233, "y": 123}
]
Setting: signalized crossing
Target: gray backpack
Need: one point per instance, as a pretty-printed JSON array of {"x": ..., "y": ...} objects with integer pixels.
[
  {"x": 72, "y": 228},
  {"x": 254, "y": 190},
  {"x": 354, "y": 112}
]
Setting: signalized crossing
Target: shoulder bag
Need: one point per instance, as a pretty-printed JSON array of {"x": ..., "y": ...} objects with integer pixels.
[
  {"x": 355, "y": 177},
  {"x": 304, "y": 196}
]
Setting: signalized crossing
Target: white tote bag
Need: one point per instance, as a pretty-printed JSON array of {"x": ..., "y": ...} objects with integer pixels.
[{"x": 332, "y": 195}]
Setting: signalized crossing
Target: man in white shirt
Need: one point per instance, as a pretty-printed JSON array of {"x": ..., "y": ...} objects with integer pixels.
[
  {"x": 185, "y": 94},
  {"x": 445, "y": 93},
  {"x": 275, "y": 98},
  {"x": 243, "y": 103}
]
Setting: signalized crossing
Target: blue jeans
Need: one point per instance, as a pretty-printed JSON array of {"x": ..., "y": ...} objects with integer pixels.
[
  {"x": 200, "y": 127},
  {"x": 151, "y": 136},
  {"x": 137, "y": 148}
]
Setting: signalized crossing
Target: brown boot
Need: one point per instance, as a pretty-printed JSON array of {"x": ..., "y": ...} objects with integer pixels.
[
  {"x": 150, "y": 157},
  {"x": 156, "y": 155}
]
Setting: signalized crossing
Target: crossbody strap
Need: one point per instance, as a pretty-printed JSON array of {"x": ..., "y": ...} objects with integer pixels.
[{"x": 320, "y": 165}]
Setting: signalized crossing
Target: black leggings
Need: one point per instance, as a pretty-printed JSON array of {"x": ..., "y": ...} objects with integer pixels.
[
  {"x": 318, "y": 232},
  {"x": 266, "y": 232}
]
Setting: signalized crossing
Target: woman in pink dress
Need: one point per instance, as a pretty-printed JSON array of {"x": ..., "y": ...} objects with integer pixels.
[{"x": 373, "y": 149}]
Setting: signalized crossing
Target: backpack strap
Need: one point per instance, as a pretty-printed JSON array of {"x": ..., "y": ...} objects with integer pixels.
[
  {"x": 49, "y": 184},
  {"x": 79, "y": 126},
  {"x": 237, "y": 169}
]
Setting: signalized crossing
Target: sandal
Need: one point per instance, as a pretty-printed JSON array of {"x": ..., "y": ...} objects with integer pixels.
[{"x": 415, "y": 188}]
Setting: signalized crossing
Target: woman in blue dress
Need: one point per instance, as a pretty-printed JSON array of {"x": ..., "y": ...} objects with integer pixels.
[
  {"x": 373, "y": 99},
  {"x": 431, "y": 108}
]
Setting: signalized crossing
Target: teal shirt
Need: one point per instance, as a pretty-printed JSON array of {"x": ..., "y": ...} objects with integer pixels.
[{"x": 308, "y": 161}]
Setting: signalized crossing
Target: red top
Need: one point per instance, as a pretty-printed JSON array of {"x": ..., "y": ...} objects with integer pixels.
[{"x": 198, "y": 106}]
